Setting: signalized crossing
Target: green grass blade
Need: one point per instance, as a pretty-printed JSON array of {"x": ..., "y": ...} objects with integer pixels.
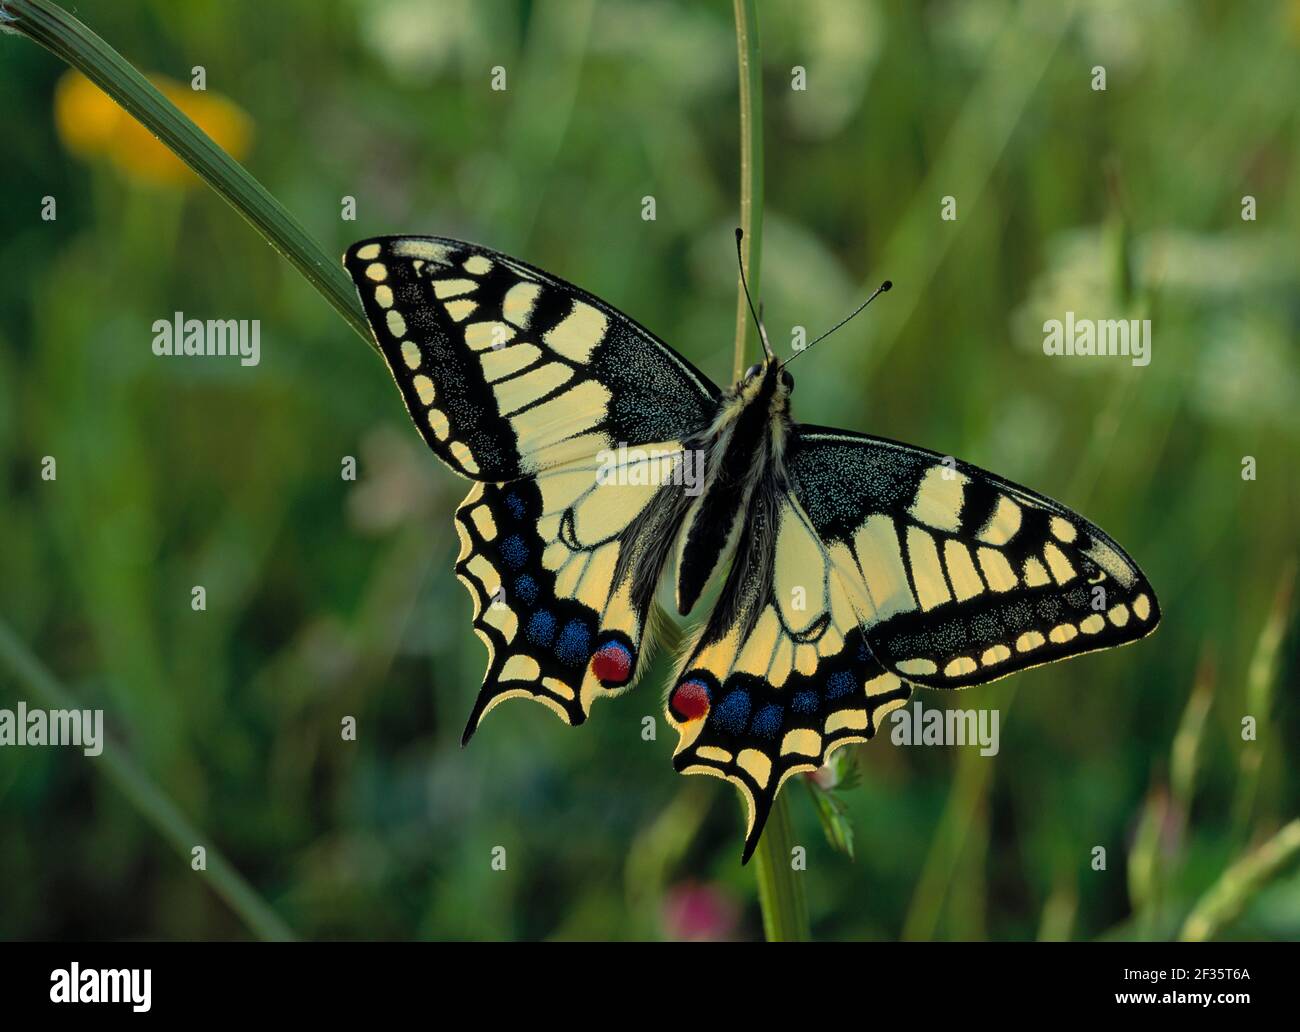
[
  {"x": 152, "y": 803},
  {"x": 68, "y": 39}
]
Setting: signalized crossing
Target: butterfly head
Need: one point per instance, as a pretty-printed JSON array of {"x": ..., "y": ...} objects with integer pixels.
[
  {"x": 768, "y": 379},
  {"x": 770, "y": 376},
  {"x": 759, "y": 399}
]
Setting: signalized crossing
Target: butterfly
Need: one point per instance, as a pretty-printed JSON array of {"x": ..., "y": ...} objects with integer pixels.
[{"x": 838, "y": 570}]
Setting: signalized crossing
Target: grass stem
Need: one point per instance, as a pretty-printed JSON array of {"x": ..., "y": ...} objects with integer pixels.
[
  {"x": 151, "y": 802},
  {"x": 780, "y": 896},
  {"x": 751, "y": 173},
  {"x": 68, "y": 39}
]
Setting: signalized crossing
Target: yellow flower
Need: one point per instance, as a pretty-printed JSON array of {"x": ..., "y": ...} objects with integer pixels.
[{"x": 91, "y": 124}]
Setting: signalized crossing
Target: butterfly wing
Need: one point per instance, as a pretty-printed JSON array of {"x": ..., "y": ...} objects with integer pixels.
[
  {"x": 964, "y": 577},
  {"x": 507, "y": 370},
  {"x": 562, "y": 568},
  {"x": 781, "y": 674},
  {"x": 529, "y": 386},
  {"x": 885, "y": 566}
]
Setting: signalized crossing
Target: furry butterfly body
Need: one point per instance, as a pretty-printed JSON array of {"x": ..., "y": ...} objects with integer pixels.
[{"x": 845, "y": 569}]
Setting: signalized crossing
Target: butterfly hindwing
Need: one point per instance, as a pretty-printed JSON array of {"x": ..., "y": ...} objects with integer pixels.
[
  {"x": 561, "y": 568},
  {"x": 507, "y": 370},
  {"x": 781, "y": 675},
  {"x": 964, "y": 577}
]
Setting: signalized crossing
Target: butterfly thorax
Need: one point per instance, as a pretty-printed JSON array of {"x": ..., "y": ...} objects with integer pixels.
[{"x": 743, "y": 455}]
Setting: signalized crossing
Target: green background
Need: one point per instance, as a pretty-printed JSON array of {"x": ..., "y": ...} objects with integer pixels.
[{"x": 329, "y": 598}]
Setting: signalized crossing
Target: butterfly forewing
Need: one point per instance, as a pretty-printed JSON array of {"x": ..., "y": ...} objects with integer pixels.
[
  {"x": 964, "y": 577},
  {"x": 506, "y": 370}
]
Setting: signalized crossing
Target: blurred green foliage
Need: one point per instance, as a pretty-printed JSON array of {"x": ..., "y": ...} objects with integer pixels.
[{"x": 329, "y": 598}]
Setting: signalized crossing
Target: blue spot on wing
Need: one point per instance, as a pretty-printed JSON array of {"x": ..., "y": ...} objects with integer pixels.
[
  {"x": 839, "y": 683},
  {"x": 732, "y": 713},
  {"x": 767, "y": 721},
  {"x": 514, "y": 551},
  {"x": 516, "y": 505},
  {"x": 574, "y": 646},
  {"x": 526, "y": 589},
  {"x": 541, "y": 629},
  {"x": 804, "y": 702}
]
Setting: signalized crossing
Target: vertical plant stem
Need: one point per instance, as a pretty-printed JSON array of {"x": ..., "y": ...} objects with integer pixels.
[
  {"x": 751, "y": 172},
  {"x": 68, "y": 39},
  {"x": 780, "y": 895}
]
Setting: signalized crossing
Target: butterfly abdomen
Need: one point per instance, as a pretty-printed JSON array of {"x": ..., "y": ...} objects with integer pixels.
[{"x": 743, "y": 450}]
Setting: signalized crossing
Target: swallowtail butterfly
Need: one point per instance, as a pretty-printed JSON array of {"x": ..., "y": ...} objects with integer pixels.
[{"x": 846, "y": 569}]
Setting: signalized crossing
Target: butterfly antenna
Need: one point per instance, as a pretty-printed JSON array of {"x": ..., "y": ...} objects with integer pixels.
[
  {"x": 758, "y": 319},
  {"x": 876, "y": 293}
]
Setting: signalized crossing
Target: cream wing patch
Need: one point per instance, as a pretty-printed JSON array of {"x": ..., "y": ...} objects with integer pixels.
[{"x": 577, "y": 335}]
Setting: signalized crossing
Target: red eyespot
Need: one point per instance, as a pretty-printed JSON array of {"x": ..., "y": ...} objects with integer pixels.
[
  {"x": 612, "y": 664},
  {"x": 690, "y": 700}
]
